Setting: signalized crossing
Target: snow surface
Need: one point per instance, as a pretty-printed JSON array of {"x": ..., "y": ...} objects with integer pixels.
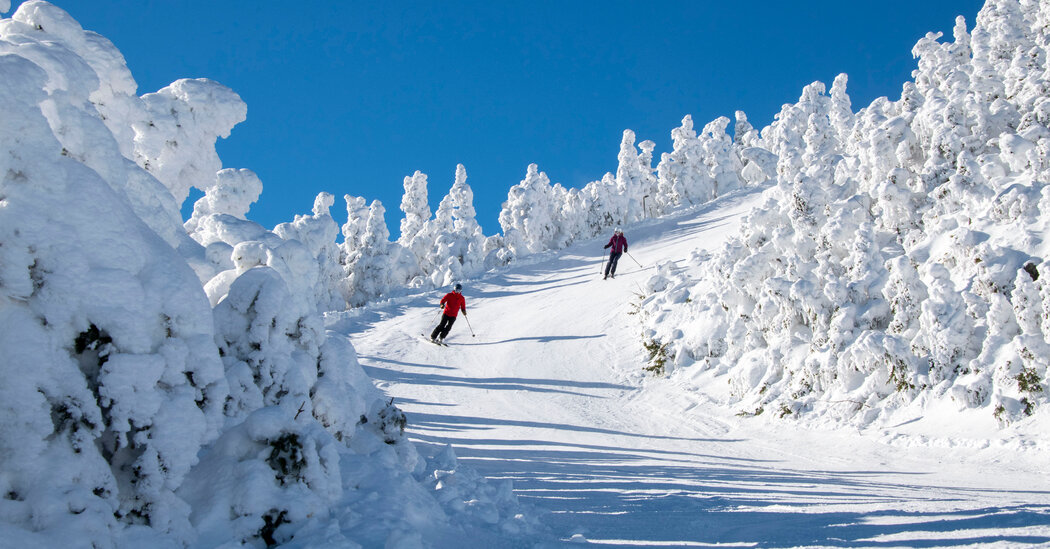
[{"x": 550, "y": 394}]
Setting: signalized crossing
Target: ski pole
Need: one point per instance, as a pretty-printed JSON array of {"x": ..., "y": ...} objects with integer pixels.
[
  {"x": 602, "y": 270},
  {"x": 468, "y": 325},
  {"x": 436, "y": 319},
  {"x": 633, "y": 259}
]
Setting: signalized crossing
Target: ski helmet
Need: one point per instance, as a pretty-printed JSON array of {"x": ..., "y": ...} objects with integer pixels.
[
  {"x": 617, "y": 231},
  {"x": 457, "y": 287}
]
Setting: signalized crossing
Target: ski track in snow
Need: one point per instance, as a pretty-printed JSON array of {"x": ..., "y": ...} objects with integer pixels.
[{"x": 549, "y": 394}]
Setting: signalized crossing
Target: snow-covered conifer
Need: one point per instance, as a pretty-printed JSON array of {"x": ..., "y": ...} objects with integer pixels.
[
  {"x": 370, "y": 267},
  {"x": 317, "y": 233},
  {"x": 896, "y": 244},
  {"x": 415, "y": 206},
  {"x": 720, "y": 157},
  {"x": 683, "y": 176},
  {"x": 744, "y": 134},
  {"x": 233, "y": 194},
  {"x": 469, "y": 242},
  {"x": 526, "y": 218},
  {"x": 841, "y": 112},
  {"x": 114, "y": 384},
  {"x": 356, "y": 221},
  {"x": 632, "y": 181},
  {"x": 176, "y": 140}
]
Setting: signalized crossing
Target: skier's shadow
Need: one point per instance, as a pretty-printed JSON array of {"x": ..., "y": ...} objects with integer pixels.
[{"x": 541, "y": 339}]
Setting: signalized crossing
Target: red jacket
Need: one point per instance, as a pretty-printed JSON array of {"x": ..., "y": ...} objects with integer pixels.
[
  {"x": 454, "y": 302},
  {"x": 618, "y": 243}
]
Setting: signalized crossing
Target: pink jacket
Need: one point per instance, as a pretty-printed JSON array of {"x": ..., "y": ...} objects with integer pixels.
[{"x": 618, "y": 243}]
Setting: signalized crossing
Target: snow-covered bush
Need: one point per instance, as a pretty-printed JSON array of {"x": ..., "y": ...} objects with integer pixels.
[{"x": 896, "y": 261}]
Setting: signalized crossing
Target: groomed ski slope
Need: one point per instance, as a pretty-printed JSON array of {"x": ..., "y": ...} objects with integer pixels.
[{"x": 549, "y": 394}]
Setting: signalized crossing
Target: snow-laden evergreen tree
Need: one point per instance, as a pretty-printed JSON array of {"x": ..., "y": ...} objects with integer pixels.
[
  {"x": 650, "y": 182},
  {"x": 602, "y": 205},
  {"x": 721, "y": 159},
  {"x": 840, "y": 114},
  {"x": 370, "y": 267},
  {"x": 439, "y": 263},
  {"x": 122, "y": 329},
  {"x": 415, "y": 205},
  {"x": 356, "y": 221},
  {"x": 112, "y": 382},
  {"x": 528, "y": 217},
  {"x": 317, "y": 233},
  {"x": 896, "y": 261},
  {"x": 682, "y": 175},
  {"x": 232, "y": 194},
  {"x": 633, "y": 182},
  {"x": 468, "y": 243}
]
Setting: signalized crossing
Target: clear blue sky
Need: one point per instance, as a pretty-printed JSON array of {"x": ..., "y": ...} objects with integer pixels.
[{"x": 351, "y": 96}]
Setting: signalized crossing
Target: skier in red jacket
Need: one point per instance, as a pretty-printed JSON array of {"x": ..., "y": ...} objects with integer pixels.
[
  {"x": 453, "y": 303},
  {"x": 618, "y": 243}
]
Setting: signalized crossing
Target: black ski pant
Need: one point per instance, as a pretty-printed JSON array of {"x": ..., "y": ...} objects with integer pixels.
[
  {"x": 441, "y": 332},
  {"x": 614, "y": 258}
]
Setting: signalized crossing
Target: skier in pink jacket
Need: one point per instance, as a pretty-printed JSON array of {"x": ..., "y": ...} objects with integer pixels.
[{"x": 618, "y": 243}]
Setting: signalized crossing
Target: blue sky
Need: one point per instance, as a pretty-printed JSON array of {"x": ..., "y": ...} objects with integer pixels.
[{"x": 350, "y": 97}]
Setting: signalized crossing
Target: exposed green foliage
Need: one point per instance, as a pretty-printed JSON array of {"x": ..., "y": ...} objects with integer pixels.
[
  {"x": 899, "y": 374},
  {"x": 758, "y": 411},
  {"x": 1028, "y": 381},
  {"x": 657, "y": 356},
  {"x": 1029, "y": 407}
]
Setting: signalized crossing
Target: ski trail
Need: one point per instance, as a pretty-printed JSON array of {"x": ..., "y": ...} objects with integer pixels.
[{"x": 548, "y": 394}]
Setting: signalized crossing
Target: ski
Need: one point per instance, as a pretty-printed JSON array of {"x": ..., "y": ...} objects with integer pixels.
[{"x": 428, "y": 340}]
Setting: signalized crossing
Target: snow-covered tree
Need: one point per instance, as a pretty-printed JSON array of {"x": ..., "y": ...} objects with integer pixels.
[
  {"x": 469, "y": 240},
  {"x": 527, "y": 216},
  {"x": 317, "y": 233},
  {"x": 416, "y": 207},
  {"x": 720, "y": 157},
  {"x": 895, "y": 262},
  {"x": 172, "y": 384},
  {"x": 233, "y": 194},
  {"x": 370, "y": 268},
  {"x": 633, "y": 183},
  {"x": 113, "y": 384},
  {"x": 682, "y": 175}
]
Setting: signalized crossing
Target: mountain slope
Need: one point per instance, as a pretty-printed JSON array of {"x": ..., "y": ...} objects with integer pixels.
[{"x": 549, "y": 394}]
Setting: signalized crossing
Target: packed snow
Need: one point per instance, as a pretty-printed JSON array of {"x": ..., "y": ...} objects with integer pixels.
[{"x": 835, "y": 331}]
